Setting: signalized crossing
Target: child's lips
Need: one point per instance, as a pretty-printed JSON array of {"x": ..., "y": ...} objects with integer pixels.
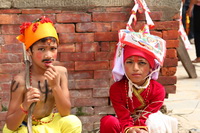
[
  {"x": 47, "y": 63},
  {"x": 136, "y": 74}
]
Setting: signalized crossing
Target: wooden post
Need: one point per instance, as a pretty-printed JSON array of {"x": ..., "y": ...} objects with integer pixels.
[{"x": 185, "y": 59}]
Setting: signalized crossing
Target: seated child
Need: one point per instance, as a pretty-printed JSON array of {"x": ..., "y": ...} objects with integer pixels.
[
  {"x": 49, "y": 85},
  {"x": 136, "y": 97}
]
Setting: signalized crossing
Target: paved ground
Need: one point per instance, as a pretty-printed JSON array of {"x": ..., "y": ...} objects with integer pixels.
[{"x": 185, "y": 104}]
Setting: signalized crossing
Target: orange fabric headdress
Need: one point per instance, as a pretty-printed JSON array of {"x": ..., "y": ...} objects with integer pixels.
[{"x": 32, "y": 32}]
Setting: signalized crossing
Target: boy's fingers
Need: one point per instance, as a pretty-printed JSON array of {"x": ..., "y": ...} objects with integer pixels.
[{"x": 51, "y": 66}]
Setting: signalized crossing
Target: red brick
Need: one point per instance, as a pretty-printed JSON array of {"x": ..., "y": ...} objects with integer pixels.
[
  {"x": 30, "y": 17},
  {"x": 2, "y": 115},
  {"x": 113, "y": 46},
  {"x": 10, "y": 39},
  {"x": 111, "y": 64},
  {"x": 5, "y": 98},
  {"x": 170, "y": 89},
  {"x": 155, "y": 15},
  {"x": 88, "y": 122},
  {"x": 116, "y": 26},
  {"x": 52, "y": 11},
  {"x": 76, "y": 37},
  {"x": 106, "y": 36},
  {"x": 156, "y": 33},
  {"x": 105, "y": 46},
  {"x": 81, "y": 102},
  {"x": 104, "y": 110},
  {"x": 86, "y": 110},
  {"x": 93, "y": 27},
  {"x": 172, "y": 43},
  {"x": 167, "y": 80},
  {"x": 104, "y": 56},
  {"x": 91, "y": 65},
  {"x": 91, "y": 83},
  {"x": 65, "y": 28},
  {"x": 86, "y": 93},
  {"x": 5, "y": 87},
  {"x": 171, "y": 53},
  {"x": 10, "y": 58},
  {"x": 70, "y": 65},
  {"x": 32, "y": 11},
  {"x": 90, "y": 47},
  {"x": 170, "y": 62},
  {"x": 12, "y": 48},
  {"x": 66, "y": 48},
  {"x": 102, "y": 74},
  {"x": 176, "y": 16},
  {"x": 73, "y": 17},
  {"x": 99, "y": 92},
  {"x": 11, "y": 67},
  {"x": 81, "y": 75},
  {"x": 71, "y": 84},
  {"x": 109, "y": 16},
  {"x": 10, "y": 29},
  {"x": 77, "y": 56},
  {"x": 170, "y": 35},
  {"x": 9, "y": 19},
  {"x": 5, "y": 77},
  {"x": 2, "y": 41},
  {"x": 96, "y": 9},
  {"x": 168, "y": 71},
  {"x": 138, "y": 26},
  {"x": 167, "y": 25},
  {"x": 78, "y": 47},
  {"x": 10, "y": 11}
]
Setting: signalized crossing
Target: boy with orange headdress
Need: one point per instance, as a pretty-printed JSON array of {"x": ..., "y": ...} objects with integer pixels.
[{"x": 49, "y": 85}]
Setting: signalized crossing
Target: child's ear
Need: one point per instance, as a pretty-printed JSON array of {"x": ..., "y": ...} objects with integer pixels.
[{"x": 29, "y": 52}]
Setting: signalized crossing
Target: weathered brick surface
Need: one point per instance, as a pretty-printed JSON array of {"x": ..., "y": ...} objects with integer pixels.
[
  {"x": 87, "y": 47},
  {"x": 168, "y": 71},
  {"x": 73, "y": 17},
  {"x": 32, "y": 11},
  {"x": 109, "y": 16},
  {"x": 171, "y": 53}
]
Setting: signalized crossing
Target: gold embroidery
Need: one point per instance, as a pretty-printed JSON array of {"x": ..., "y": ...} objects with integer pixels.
[{"x": 137, "y": 93}]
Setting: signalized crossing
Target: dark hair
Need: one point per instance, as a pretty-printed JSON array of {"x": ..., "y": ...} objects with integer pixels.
[{"x": 53, "y": 39}]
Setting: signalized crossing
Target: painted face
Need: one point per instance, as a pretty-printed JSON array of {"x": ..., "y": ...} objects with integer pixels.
[
  {"x": 137, "y": 68},
  {"x": 44, "y": 53}
]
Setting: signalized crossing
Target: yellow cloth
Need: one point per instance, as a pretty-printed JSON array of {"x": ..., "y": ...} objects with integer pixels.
[{"x": 67, "y": 124}]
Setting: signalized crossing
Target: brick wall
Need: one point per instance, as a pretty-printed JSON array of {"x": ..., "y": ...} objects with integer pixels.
[{"x": 87, "y": 45}]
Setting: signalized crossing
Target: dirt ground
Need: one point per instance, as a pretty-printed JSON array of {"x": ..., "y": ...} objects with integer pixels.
[{"x": 185, "y": 104}]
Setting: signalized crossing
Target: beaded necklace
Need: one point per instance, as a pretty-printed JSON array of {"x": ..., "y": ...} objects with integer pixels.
[
  {"x": 127, "y": 97},
  {"x": 33, "y": 117}
]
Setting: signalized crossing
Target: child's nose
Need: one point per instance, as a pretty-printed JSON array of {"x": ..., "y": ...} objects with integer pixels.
[
  {"x": 135, "y": 66},
  {"x": 48, "y": 54}
]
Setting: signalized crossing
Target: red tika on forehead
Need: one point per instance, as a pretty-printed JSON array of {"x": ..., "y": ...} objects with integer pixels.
[{"x": 131, "y": 51}]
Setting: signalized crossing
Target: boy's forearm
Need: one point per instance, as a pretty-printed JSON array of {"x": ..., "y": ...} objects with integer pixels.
[
  {"x": 62, "y": 102},
  {"x": 13, "y": 121}
]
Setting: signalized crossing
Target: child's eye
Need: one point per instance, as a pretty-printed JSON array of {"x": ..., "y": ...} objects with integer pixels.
[
  {"x": 142, "y": 63},
  {"x": 41, "y": 49},
  {"x": 129, "y": 62},
  {"x": 54, "y": 48}
]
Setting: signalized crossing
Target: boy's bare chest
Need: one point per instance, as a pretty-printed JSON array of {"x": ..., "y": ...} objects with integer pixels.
[{"x": 46, "y": 93}]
